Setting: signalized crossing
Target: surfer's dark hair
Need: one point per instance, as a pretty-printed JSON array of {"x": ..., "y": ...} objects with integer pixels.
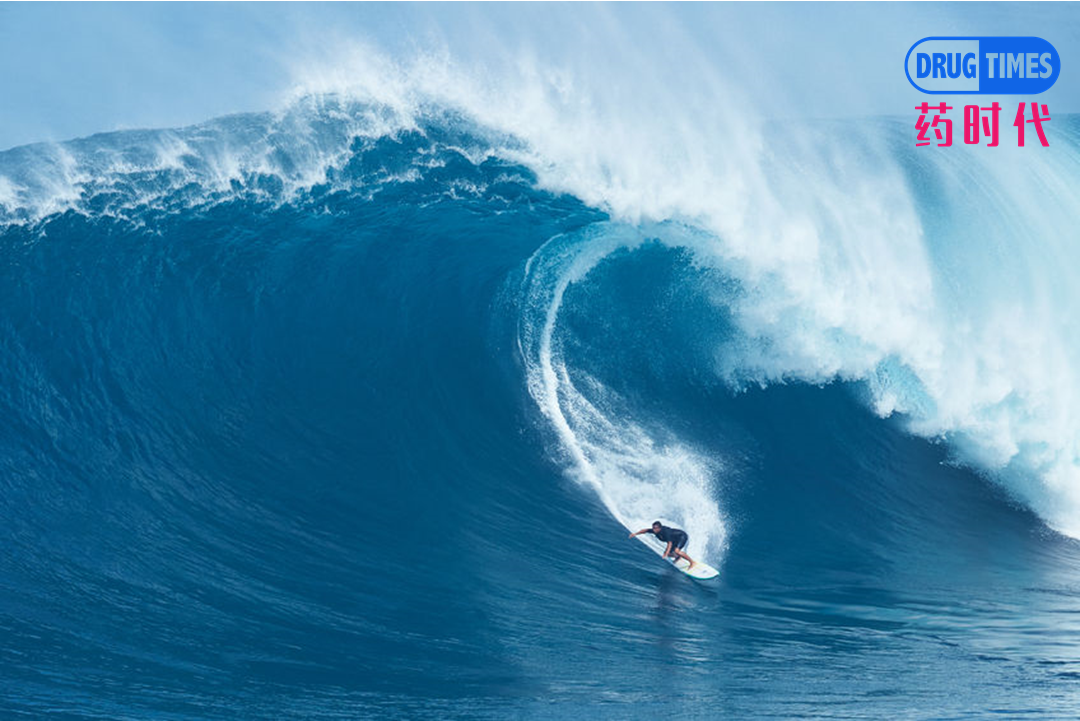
[{"x": 657, "y": 523}]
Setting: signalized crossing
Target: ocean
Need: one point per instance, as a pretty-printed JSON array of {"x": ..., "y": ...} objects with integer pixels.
[{"x": 344, "y": 410}]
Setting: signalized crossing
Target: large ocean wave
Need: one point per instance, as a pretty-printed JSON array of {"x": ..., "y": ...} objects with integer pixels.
[
  {"x": 937, "y": 281},
  {"x": 274, "y": 368}
]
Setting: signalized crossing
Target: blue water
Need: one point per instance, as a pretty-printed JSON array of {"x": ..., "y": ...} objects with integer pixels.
[{"x": 329, "y": 415}]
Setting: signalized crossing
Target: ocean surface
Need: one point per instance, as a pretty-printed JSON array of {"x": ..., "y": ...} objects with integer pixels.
[{"x": 344, "y": 411}]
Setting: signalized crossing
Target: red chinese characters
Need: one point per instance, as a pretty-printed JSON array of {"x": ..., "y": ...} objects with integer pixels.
[
  {"x": 989, "y": 125},
  {"x": 923, "y": 125},
  {"x": 1035, "y": 118},
  {"x": 979, "y": 123}
]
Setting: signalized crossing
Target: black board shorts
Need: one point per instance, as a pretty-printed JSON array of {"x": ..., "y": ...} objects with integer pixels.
[{"x": 678, "y": 540}]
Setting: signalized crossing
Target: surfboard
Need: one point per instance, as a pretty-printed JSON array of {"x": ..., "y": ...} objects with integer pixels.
[{"x": 701, "y": 570}]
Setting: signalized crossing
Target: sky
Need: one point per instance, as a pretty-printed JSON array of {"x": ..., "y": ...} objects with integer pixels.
[{"x": 74, "y": 69}]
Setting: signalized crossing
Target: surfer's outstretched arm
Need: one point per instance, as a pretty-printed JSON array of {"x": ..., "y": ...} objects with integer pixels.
[{"x": 638, "y": 533}]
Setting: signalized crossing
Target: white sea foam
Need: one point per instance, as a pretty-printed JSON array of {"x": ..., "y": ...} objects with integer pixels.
[{"x": 9, "y": 194}]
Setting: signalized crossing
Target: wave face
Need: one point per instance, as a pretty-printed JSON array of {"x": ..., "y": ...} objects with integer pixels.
[{"x": 344, "y": 411}]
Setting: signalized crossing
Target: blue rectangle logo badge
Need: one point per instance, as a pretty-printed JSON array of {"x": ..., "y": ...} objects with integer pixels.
[{"x": 982, "y": 65}]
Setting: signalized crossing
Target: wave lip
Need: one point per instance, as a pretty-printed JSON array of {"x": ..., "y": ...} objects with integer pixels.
[{"x": 272, "y": 157}]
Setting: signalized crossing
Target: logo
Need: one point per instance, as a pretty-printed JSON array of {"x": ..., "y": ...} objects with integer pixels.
[{"x": 982, "y": 65}]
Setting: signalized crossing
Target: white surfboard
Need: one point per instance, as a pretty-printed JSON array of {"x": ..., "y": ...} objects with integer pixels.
[{"x": 701, "y": 570}]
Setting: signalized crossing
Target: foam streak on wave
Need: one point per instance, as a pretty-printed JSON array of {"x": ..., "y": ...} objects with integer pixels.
[{"x": 637, "y": 475}]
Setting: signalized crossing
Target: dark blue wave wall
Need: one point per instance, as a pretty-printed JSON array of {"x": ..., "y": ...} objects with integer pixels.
[{"x": 266, "y": 459}]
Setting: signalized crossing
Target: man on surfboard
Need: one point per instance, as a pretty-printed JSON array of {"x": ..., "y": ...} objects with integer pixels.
[{"x": 675, "y": 538}]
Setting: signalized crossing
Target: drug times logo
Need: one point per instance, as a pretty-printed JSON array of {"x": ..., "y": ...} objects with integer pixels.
[
  {"x": 987, "y": 66},
  {"x": 994, "y": 66}
]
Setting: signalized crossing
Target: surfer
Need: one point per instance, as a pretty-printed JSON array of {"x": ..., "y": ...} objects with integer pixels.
[{"x": 675, "y": 538}]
